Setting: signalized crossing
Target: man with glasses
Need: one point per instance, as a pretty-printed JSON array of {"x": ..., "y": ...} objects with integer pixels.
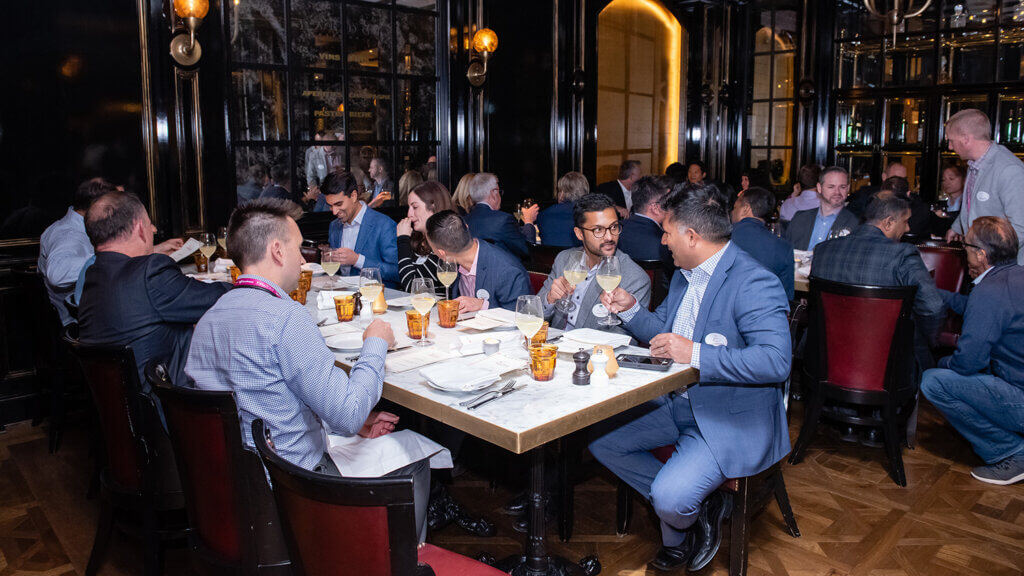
[
  {"x": 597, "y": 226},
  {"x": 980, "y": 388},
  {"x": 487, "y": 221}
]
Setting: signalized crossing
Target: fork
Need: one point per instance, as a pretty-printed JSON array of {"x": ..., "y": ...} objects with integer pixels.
[{"x": 508, "y": 386}]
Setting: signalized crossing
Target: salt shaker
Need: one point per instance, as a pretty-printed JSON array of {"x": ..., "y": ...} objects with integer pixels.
[
  {"x": 366, "y": 313},
  {"x": 600, "y": 374},
  {"x": 581, "y": 377}
]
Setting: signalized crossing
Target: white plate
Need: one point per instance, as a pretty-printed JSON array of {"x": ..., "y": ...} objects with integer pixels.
[{"x": 346, "y": 342}]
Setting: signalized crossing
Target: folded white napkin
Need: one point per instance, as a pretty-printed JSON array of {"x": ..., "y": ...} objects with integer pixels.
[
  {"x": 591, "y": 337},
  {"x": 804, "y": 270},
  {"x": 498, "y": 315},
  {"x": 325, "y": 298},
  {"x": 474, "y": 344},
  {"x": 462, "y": 380},
  {"x": 222, "y": 264}
]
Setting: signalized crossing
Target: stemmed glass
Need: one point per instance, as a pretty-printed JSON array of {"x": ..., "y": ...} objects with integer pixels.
[
  {"x": 423, "y": 298},
  {"x": 329, "y": 265},
  {"x": 370, "y": 284},
  {"x": 222, "y": 238},
  {"x": 575, "y": 273},
  {"x": 447, "y": 271},
  {"x": 608, "y": 278},
  {"x": 209, "y": 244},
  {"x": 529, "y": 315}
]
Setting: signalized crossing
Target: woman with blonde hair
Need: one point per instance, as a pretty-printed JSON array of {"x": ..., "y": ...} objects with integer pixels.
[
  {"x": 408, "y": 181},
  {"x": 462, "y": 200}
]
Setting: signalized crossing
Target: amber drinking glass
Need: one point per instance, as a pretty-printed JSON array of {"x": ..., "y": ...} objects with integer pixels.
[
  {"x": 299, "y": 295},
  {"x": 447, "y": 313},
  {"x": 235, "y": 273},
  {"x": 539, "y": 338},
  {"x": 202, "y": 263},
  {"x": 345, "y": 306},
  {"x": 306, "y": 279},
  {"x": 418, "y": 324},
  {"x": 542, "y": 361}
]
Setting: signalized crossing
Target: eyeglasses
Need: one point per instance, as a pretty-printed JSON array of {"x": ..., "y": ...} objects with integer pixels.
[
  {"x": 598, "y": 231},
  {"x": 975, "y": 246}
]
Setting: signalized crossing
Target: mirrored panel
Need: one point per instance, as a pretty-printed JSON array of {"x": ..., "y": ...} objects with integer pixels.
[
  {"x": 416, "y": 110},
  {"x": 369, "y": 109},
  {"x": 260, "y": 107},
  {"x": 369, "y": 38},
  {"x": 319, "y": 106},
  {"x": 263, "y": 172},
  {"x": 316, "y": 33},
  {"x": 257, "y": 31},
  {"x": 415, "y": 35}
]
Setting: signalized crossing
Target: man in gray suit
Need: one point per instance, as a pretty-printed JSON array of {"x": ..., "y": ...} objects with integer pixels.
[
  {"x": 995, "y": 177},
  {"x": 597, "y": 226},
  {"x": 810, "y": 227}
]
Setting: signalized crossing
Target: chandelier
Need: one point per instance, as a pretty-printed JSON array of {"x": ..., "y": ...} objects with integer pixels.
[{"x": 901, "y": 11}]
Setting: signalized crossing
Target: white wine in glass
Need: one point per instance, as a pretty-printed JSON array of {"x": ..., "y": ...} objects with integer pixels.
[
  {"x": 423, "y": 299},
  {"x": 209, "y": 244},
  {"x": 529, "y": 315},
  {"x": 447, "y": 272},
  {"x": 575, "y": 273},
  {"x": 222, "y": 238},
  {"x": 370, "y": 284},
  {"x": 608, "y": 278},
  {"x": 329, "y": 265}
]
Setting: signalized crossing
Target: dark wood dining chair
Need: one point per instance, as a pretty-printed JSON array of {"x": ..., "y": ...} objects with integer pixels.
[
  {"x": 860, "y": 352},
  {"x": 353, "y": 526},
  {"x": 139, "y": 478},
  {"x": 233, "y": 522},
  {"x": 537, "y": 281},
  {"x": 947, "y": 263}
]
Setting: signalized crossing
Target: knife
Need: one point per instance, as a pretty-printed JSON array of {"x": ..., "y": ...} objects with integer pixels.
[{"x": 495, "y": 397}]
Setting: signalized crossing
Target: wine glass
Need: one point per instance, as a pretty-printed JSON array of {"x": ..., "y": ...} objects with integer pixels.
[
  {"x": 423, "y": 299},
  {"x": 575, "y": 273},
  {"x": 529, "y": 315},
  {"x": 447, "y": 271},
  {"x": 608, "y": 278},
  {"x": 329, "y": 265},
  {"x": 370, "y": 285},
  {"x": 222, "y": 238},
  {"x": 209, "y": 244}
]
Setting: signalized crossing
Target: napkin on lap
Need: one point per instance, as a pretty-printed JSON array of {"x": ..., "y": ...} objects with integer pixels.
[{"x": 325, "y": 298}]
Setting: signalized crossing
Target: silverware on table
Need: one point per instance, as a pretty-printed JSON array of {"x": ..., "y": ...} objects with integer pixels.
[
  {"x": 322, "y": 322},
  {"x": 497, "y": 395},
  {"x": 508, "y": 386}
]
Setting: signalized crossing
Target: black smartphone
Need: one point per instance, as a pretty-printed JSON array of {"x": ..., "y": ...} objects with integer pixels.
[{"x": 644, "y": 362}]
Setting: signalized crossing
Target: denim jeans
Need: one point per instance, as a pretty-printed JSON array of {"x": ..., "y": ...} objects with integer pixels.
[
  {"x": 677, "y": 488},
  {"x": 988, "y": 411}
]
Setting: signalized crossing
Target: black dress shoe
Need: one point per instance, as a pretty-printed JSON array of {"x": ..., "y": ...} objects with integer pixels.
[
  {"x": 707, "y": 531},
  {"x": 443, "y": 510},
  {"x": 516, "y": 506},
  {"x": 674, "y": 557},
  {"x": 481, "y": 527}
]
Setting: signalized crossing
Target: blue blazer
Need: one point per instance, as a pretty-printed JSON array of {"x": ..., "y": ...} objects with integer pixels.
[
  {"x": 377, "y": 242},
  {"x": 498, "y": 228},
  {"x": 772, "y": 252},
  {"x": 641, "y": 239},
  {"x": 147, "y": 303},
  {"x": 738, "y": 400},
  {"x": 501, "y": 274},
  {"x": 556, "y": 225}
]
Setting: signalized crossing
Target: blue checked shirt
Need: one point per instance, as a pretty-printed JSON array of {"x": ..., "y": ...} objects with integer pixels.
[
  {"x": 64, "y": 249},
  {"x": 270, "y": 353},
  {"x": 689, "y": 308}
]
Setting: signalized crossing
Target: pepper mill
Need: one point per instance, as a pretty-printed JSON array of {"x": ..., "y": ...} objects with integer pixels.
[
  {"x": 600, "y": 362},
  {"x": 581, "y": 377}
]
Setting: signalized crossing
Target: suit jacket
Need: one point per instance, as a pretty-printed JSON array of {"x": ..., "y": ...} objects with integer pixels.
[
  {"x": 993, "y": 332},
  {"x": 858, "y": 201},
  {"x": 996, "y": 191},
  {"x": 499, "y": 273},
  {"x": 634, "y": 280},
  {"x": 556, "y": 225},
  {"x": 867, "y": 257},
  {"x": 377, "y": 242},
  {"x": 801, "y": 228},
  {"x": 738, "y": 401},
  {"x": 497, "y": 227},
  {"x": 641, "y": 240},
  {"x": 147, "y": 303},
  {"x": 772, "y": 252},
  {"x": 612, "y": 190},
  {"x": 379, "y": 187}
]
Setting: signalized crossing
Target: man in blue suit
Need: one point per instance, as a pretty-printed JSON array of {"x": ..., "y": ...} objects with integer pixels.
[
  {"x": 726, "y": 316},
  {"x": 489, "y": 277},
  {"x": 360, "y": 236},
  {"x": 641, "y": 232},
  {"x": 556, "y": 223},
  {"x": 980, "y": 388},
  {"x": 487, "y": 222},
  {"x": 134, "y": 297},
  {"x": 749, "y": 232}
]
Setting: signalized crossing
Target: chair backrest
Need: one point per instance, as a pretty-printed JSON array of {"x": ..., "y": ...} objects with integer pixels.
[
  {"x": 342, "y": 526},
  {"x": 948, "y": 265},
  {"x": 537, "y": 281},
  {"x": 656, "y": 272},
  {"x": 125, "y": 421},
  {"x": 542, "y": 258},
  {"x": 231, "y": 510},
  {"x": 864, "y": 334}
]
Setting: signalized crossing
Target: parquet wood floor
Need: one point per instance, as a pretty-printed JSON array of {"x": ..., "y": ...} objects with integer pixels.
[{"x": 854, "y": 519}]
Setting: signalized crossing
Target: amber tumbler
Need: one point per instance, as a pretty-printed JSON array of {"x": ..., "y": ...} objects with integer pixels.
[
  {"x": 418, "y": 324},
  {"x": 542, "y": 361},
  {"x": 539, "y": 338},
  {"x": 345, "y": 306},
  {"x": 306, "y": 279},
  {"x": 202, "y": 263},
  {"x": 299, "y": 295},
  {"x": 447, "y": 313},
  {"x": 235, "y": 273}
]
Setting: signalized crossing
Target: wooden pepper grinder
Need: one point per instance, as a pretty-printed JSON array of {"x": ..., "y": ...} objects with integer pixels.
[{"x": 581, "y": 377}]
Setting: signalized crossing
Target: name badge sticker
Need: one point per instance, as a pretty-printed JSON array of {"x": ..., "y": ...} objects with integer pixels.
[
  {"x": 482, "y": 294},
  {"x": 983, "y": 196},
  {"x": 599, "y": 311},
  {"x": 715, "y": 339}
]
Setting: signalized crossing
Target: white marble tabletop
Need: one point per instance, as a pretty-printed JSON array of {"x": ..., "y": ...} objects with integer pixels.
[{"x": 537, "y": 413}]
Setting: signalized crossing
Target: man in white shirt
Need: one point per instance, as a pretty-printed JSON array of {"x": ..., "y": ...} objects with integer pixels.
[
  {"x": 806, "y": 200},
  {"x": 620, "y": 191}
]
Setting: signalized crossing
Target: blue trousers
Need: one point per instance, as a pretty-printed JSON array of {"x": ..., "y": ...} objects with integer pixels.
[
  {"x": 988, "y": 411},
  {"x": 676, "y": 488}
]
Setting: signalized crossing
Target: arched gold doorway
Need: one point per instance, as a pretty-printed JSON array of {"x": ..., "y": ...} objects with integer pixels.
[{"x": 640, "y": 68}]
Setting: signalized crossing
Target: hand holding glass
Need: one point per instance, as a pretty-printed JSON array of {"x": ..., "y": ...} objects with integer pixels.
[
  {"x": 575, "y": 273},
  {"x": 608, "y": 278}
]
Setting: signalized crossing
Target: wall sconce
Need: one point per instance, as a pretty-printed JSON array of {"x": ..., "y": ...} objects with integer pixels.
[
  {"x": 185, "y": 49},
  {"x": 485, "y": 42}
]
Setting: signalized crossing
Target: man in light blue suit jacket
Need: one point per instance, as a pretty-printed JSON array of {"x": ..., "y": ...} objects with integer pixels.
[
  {"x": 489, "y": 277},
  {"x": 726, "y": 316},
  {"x": 362, "y": 237}
]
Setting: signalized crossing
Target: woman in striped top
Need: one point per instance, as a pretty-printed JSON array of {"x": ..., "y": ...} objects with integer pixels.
[{"x": 414, "y": 257}]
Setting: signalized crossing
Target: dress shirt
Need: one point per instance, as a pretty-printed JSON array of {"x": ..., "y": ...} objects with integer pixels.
[
  {"x": 822, "y": 225},
  {"x": 349, "y": 235},
  {"x": 64, "y": 249},
  {"x": 977, "y": 280},
  {"x": 577, "y": 299},
  {"x": 973, "y": 167},
  {"x": 805, "y": 201},
  {"x": 628, "y": 195},
  {"x": 467, "y": 278},
  {"x": 954, "y": 205},
  {"x": 267, "y": 349},
  {"x": 689, "y": 308}
]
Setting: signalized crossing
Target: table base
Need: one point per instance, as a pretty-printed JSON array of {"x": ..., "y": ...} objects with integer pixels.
[{"x": 556, "y": 566}]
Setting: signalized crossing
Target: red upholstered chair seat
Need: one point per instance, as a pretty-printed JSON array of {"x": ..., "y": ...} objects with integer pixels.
[
  {"x": 537, "y": 281},
  {"x": 447, "y": 563}
]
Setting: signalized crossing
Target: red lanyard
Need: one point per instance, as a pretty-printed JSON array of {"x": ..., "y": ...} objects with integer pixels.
[{"x": 249, "y": 282}]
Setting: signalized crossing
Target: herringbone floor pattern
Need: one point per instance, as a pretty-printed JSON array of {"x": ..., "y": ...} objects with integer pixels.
[{"x": 854, "y": 520}]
